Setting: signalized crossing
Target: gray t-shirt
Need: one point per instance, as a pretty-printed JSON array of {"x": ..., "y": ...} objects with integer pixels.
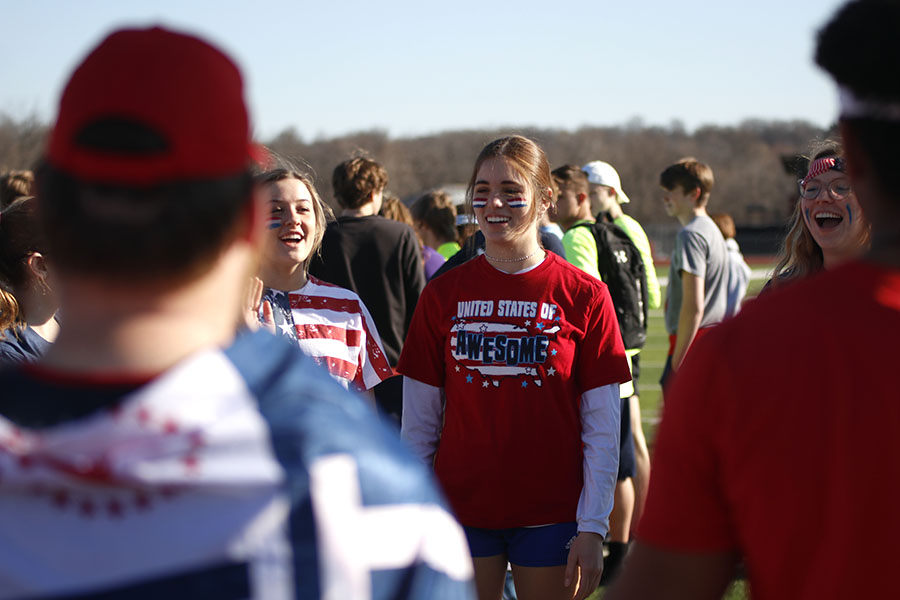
[{"x": 700, "y": 250}]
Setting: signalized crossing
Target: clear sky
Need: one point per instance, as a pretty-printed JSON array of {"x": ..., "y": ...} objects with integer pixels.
[{"x": 414, "y": 67}]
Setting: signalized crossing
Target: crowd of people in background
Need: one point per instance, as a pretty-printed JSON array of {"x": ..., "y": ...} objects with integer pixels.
[{"x": 380, "y": 399}]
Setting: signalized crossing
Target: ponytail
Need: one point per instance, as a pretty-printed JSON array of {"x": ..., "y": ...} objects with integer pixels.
[{"x": 9, "y": 311}]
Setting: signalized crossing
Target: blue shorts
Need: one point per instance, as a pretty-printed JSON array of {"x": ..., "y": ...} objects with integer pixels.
[{"x": 544, "y": 546}]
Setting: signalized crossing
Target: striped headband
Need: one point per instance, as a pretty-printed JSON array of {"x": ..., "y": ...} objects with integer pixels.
[{"x": 821, "y": 165}]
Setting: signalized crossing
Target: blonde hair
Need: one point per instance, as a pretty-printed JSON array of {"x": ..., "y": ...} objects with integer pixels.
[
  {"x": 321, "y": 210},
  {"x": 393, "y": 209}
]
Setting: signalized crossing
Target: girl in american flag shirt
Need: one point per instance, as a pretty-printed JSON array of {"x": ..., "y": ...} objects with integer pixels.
[{"x": 329, "y": 323}]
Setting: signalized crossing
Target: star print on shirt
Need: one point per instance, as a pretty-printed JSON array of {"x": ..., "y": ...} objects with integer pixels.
[
  {"x": 527, "y": 322},
  {"x": 468, "y": 379},
  {"x": 551, "y": 371},
  {"x": 457, "y": 368},
  {"x": 524, "y": 384},
  {"x": 539, "y": 325},
  {"x": 553, "y": 352},
  {"x": 484, "y": 384}
]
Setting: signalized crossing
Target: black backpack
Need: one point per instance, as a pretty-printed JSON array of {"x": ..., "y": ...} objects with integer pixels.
[{"x": 621, "y": 268}]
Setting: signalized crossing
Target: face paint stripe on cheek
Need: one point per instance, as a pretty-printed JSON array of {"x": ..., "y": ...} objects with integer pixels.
[
  {"x": 807, "y": 216},
  {"x": 479, "y": 202},
  {"x": 517, "y": 202},
  {"x": 273, "y": 223},
  {"x": 850, "y": 214}
]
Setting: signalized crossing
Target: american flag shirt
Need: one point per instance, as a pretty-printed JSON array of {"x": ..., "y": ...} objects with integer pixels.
[
  {"x": 332, "y": 326},
  {"x": 238, "y": 473}
]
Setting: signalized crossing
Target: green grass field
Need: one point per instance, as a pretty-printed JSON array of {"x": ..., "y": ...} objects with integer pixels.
[{"x": 653, "y": 359}]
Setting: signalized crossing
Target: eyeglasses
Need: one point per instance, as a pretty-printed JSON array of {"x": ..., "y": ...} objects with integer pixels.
[{"x": 837, "y": 189}]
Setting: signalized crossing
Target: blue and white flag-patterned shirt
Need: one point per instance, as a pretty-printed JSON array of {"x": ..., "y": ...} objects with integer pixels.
[{"x": 243, "y": 473}]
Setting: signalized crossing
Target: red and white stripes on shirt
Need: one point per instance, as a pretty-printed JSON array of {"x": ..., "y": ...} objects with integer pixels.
[{"x": 333, "y": 326}]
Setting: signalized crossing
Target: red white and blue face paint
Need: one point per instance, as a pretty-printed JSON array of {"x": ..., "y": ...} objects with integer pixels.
[
  {"x": 504, "y": 204},
  {"x": 516, "y": 202},
  {"x": 273, "y": 223}
]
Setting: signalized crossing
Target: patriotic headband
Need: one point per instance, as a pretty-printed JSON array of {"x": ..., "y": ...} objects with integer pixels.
[
  {"x": 852, "y": 106},
  {"x": 822, "y": 165}
]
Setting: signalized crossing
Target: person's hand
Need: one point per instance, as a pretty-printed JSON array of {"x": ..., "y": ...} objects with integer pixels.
[
  {"x": 268, "y": 319},
  {"x": 252, "y": 305},
  {"x": 586, "y": 557}
]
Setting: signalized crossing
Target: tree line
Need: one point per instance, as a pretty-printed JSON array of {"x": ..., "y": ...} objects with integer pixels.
[{"x": 751, "y": 160}]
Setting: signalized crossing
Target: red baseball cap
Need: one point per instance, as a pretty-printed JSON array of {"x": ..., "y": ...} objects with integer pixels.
[{"x": 184, "y": 91}]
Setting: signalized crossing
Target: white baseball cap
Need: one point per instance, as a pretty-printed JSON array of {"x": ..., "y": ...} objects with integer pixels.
[{"x": 603, "y": 173}]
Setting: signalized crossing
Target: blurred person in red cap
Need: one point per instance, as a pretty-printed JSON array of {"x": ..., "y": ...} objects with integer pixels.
[
  {"x": 156, "y": 450},
  {"x": 777, "y": 444}
]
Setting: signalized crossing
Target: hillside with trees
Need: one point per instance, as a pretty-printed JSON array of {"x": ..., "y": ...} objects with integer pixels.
[{"x": 748, "y": 159}]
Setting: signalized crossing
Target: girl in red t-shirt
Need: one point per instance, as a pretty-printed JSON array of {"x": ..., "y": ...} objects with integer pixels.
[{"x": 512, "y": 364}]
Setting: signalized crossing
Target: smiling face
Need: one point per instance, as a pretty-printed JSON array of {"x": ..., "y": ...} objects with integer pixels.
[
  {"x": 503, "y": 202},
  {"x": 292, "y": 223},
  {"x": 837, "y": 225}
]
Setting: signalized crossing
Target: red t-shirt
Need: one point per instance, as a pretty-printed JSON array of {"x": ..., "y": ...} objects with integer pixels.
[
  {"x": 779, "y": 440},
  {"x": 513, "y": 353}
]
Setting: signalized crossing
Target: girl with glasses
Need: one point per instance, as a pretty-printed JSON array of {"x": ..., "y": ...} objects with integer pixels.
[{"x": 828, "y": 226}]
